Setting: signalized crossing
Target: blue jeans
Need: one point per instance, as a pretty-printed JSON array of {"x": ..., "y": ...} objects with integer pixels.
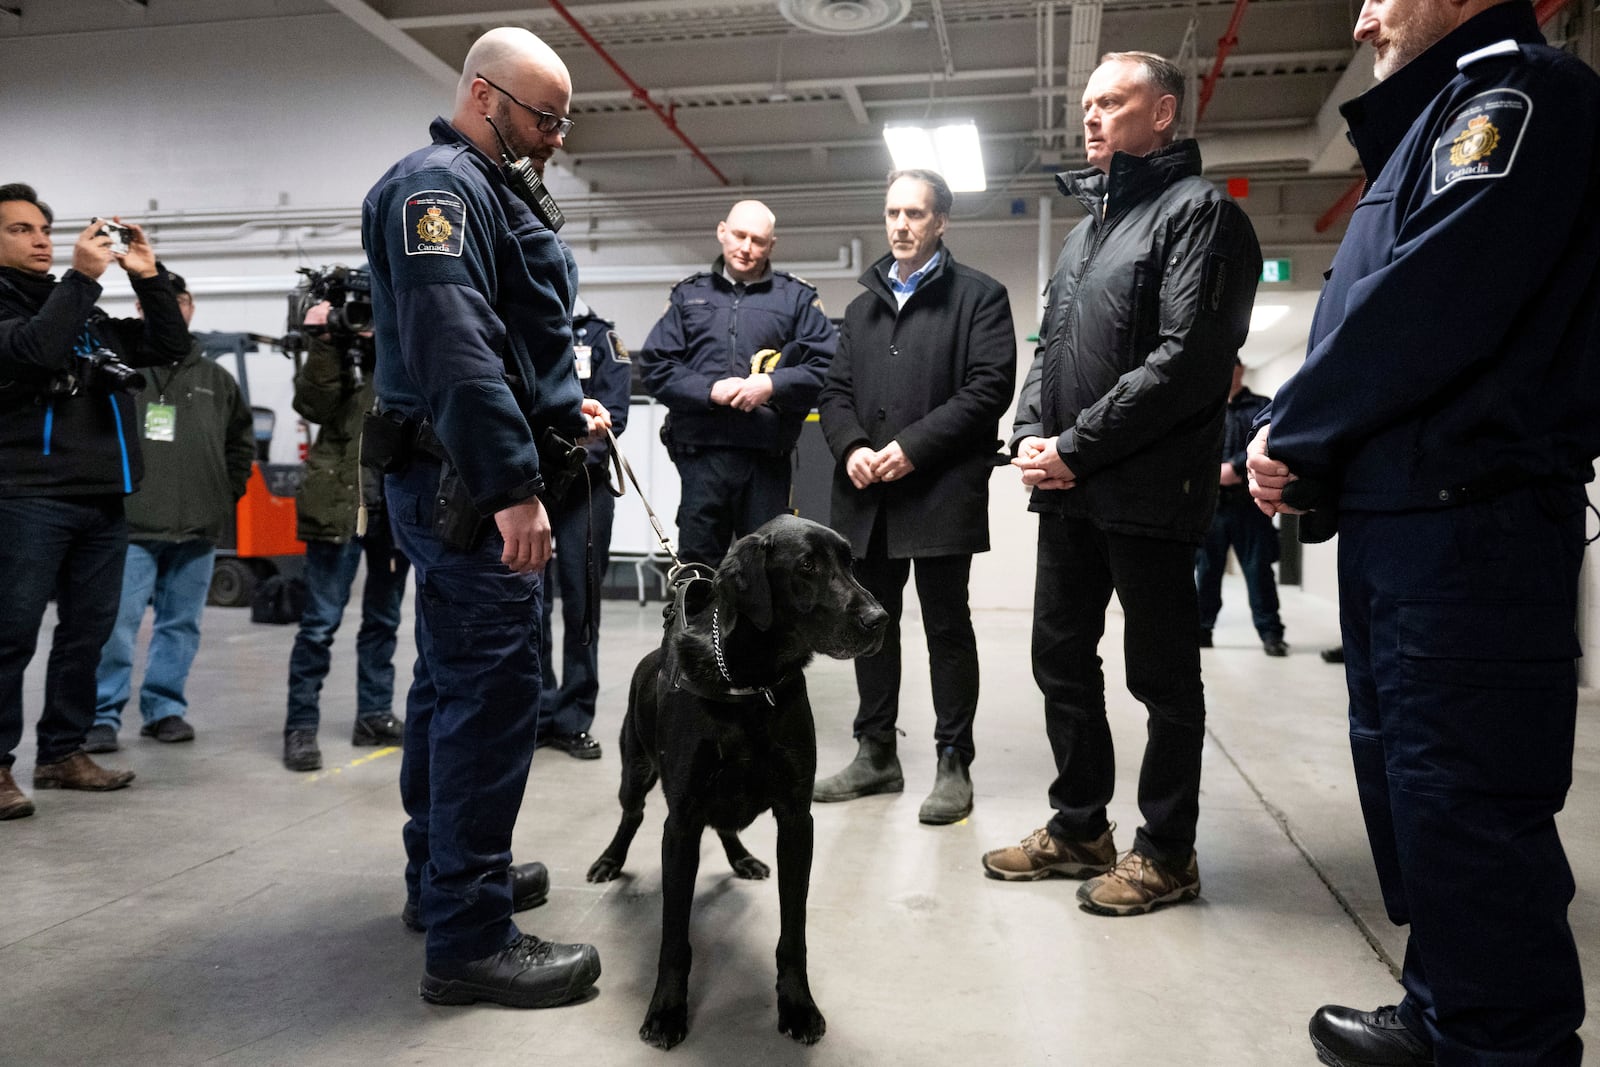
[
  {"x": 568, "y": 707},
  {"x": 73, "y": 547},
  {"x": 177, "y": 576},
  {"x": 471, "y": 720},
  {"x": 1255, "y": 541},
  {"x": 330, "y": 572}
]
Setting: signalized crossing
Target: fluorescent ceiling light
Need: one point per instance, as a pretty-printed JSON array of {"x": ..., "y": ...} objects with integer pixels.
[
  {"x": 951, "y": 150},
  {"x": 1266, "y": 316}
]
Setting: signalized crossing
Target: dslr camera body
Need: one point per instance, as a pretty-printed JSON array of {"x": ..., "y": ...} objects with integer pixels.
[{"x": 99, "y": 371}]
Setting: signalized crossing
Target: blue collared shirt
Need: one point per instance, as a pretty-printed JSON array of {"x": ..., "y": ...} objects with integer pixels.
[{"x": 903, "y": 289}]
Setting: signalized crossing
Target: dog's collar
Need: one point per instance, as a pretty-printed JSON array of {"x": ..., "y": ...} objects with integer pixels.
[{"x": 722, "y": 666}]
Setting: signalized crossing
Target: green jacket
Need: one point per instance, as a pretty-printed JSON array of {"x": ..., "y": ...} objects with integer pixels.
[
  {"x": 334, "y": 398},
  {"x": 198, "y": 446}
]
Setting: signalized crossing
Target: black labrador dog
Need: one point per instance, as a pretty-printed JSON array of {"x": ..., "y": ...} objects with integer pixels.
[{"x": 719, "y": 714}]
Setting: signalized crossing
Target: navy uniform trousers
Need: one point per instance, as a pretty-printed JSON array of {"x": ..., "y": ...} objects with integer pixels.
[
  {"x": 1460, "y": 658},
  {"x": 471, "y": 717},
  {"x": 567, "y": 706}
]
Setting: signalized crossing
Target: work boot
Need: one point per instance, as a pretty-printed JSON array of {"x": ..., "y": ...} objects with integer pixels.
[
  {"x": 380, "y": 729},
  {"x": 530, "y": 887},
  {"x": 1139, "y": 884},
  {"x": 14, "y": 803},
  {"x": 1348, "y": 1037},
  {"x": 528, "y": 973},
  {"x": 78, "y": 771},
  {"x": 1042, "y": 855},
  {"x": 951, "y": 798},
  {"x": 300, "y": 751},
  {"x": 876, "y": 769}
]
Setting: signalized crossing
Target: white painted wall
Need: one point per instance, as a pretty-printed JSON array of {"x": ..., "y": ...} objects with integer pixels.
[{"x": 281, "y": 134}]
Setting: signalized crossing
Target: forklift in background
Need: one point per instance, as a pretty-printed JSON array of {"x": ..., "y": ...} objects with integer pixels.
[{"x": 260, "y": 541}]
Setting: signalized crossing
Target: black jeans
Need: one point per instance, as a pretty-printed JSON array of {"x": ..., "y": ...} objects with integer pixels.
[
  {"x": 952, "y": 647},
  {"x": 73, "y": 547},
  {"x": 1079, "y": 566},
  {"x": 727, "y": 492}
]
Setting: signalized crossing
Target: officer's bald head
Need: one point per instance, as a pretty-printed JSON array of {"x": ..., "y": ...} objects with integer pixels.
[
  {"x": 747, "y": 236},
  {"x": 505, "y": 68}
]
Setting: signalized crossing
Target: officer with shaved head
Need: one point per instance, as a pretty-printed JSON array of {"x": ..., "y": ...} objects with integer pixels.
[
  {"x": 738, "y": 359},
  {"x": 472, "y": 297}
]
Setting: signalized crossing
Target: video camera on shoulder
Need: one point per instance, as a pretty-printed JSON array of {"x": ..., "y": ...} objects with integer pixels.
[{"x": 348, "y": 292}]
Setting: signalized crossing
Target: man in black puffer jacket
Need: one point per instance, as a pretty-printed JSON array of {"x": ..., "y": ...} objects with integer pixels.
[
  {"x": 69, "y": 453},
  {"x": 1118, "y": 431}
]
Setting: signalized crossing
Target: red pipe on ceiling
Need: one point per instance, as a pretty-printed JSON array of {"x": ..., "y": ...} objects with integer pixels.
[
  {"x": 639, "y": 92},
  {"x": 1225, "y": 45},
  {"x": 1543, "y": 11}
]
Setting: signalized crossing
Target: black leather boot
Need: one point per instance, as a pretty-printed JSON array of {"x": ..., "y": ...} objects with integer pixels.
[
  {"x": 1348, "y": 1037},
  {"x": 876, "y": 769}
]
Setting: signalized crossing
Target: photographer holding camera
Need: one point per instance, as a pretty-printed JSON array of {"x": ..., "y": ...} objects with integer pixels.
[
  {"x": 333, "y": 388},
  {"x": 69, "y": 453}
]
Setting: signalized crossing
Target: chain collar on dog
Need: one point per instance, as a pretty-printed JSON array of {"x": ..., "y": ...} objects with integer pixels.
[{"x": 722, "y": 666}]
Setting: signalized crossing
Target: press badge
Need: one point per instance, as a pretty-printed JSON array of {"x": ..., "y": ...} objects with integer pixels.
[
  {"x": 160, "y": 422},
  {"x": 584, "y": 354}
]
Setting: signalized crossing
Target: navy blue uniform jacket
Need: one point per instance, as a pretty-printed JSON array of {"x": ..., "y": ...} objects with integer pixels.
[
  {"x": 472, "y": 300},
  {"x": 710, "y": 330},
  {"x": 606, "y": 372},
  {"x": 1454, "y": 349}
]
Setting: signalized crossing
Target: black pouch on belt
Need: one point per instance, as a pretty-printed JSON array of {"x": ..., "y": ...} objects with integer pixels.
[
  {"x": 560, "y": 461},
  {"x": 457, "y": 522}
]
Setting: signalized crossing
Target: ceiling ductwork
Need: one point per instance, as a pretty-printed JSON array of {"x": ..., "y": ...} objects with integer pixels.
[{"x": 844, "y": 18}]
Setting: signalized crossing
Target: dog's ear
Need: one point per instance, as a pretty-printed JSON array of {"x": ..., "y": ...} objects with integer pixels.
[{"x": 743, "y": 583}]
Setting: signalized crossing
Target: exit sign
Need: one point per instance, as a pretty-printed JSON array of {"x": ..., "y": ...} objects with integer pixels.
[{"x": 1275, "y": 270}]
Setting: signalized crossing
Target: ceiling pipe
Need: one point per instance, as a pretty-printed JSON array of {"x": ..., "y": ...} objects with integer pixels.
[
  {"x": 1225, "y": 44},
  {"x": 1543, "y": 11},
  {"x": 639, "y": 92}
]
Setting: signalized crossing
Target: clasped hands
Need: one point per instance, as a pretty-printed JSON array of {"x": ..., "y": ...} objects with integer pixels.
[
  {"x": 1041, "y": 465},
  {"x": 1268, "y": 477},
  {"x": 742, "y": 394},
  {"x": 887, "y": 464}
]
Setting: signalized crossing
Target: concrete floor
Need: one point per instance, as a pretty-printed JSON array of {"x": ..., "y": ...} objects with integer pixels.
[{"x": 225, "y": 911}]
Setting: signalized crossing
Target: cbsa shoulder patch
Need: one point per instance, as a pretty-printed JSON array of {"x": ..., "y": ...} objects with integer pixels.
[
  {"x": 435, "y": 224},
  {"x": 1481, "y": 138}
]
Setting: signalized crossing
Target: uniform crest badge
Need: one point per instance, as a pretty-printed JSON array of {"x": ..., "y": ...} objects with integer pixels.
[
  {"x": 435, "y": 223},
  {"x": 1475, "y": 142},
  {"x": 433, "y": 227},
  {"x": 1481, "y": 138}
]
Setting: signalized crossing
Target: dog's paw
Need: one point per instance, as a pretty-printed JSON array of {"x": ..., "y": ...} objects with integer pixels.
[
  {"x": 750, "y": 867},
  {"x": 801, "y": 1021},
  {"x": 665, "y": 1027},
  {"x": 604, "y": 869}
]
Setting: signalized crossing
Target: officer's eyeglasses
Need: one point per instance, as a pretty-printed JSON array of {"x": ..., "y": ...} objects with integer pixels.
[{"x": 544, "y": 122}]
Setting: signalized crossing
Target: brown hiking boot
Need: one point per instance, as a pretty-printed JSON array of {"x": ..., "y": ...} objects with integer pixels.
[
  {"x": 1138, "y": 884},
  {"x": 78, "y": 771},
  {"x": 1041, "y": 855},
  {"x": 14, "y": 803}
]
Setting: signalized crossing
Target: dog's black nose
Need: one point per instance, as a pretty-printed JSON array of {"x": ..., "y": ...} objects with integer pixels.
[{"x": 872, "y": 618}]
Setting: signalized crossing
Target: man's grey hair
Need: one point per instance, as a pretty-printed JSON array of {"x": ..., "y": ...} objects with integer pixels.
[
  {"x": 943, "y": 199},
  {"x": 20, "y": 191},
  {"x": 1158, "y": 71}
]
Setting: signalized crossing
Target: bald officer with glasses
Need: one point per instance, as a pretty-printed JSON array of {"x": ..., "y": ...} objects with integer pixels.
[{"x": 472, "y": 297}]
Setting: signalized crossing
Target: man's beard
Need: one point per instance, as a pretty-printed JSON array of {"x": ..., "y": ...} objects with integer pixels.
[{"x": 503, "y": 121}]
